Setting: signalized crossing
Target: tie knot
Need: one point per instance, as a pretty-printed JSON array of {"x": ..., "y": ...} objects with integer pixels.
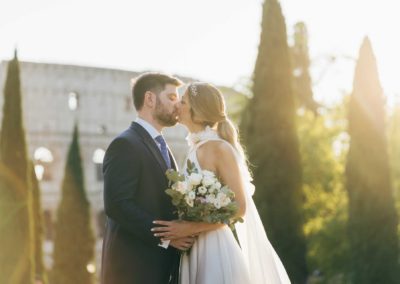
[{"x": 160, "y": 139}]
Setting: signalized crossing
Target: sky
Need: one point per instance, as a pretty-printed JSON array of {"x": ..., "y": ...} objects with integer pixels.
[{"x": 211, "y": 40}]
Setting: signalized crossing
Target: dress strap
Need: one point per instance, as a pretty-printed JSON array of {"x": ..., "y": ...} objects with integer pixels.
[
  {"x": 198, "y": 144},
  {"x": 192, "y": 154}
]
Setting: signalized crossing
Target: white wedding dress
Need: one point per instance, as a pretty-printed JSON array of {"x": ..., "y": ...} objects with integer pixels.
[{"x": 216, "y": 257}]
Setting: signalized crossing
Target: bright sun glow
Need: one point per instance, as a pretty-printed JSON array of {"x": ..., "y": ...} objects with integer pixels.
[
  {"x": 91, "y": 268},
  {"x": 220, "y": 47}
]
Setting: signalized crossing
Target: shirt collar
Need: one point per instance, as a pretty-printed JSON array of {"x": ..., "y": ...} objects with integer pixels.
[{"x": 149, "y": 128}]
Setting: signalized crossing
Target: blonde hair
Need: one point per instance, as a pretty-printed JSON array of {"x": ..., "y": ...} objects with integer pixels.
[{"x": 207, "y": 107}]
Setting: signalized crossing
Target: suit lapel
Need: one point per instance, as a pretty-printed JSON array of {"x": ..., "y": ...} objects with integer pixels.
[{"x": 149, "y": 142}]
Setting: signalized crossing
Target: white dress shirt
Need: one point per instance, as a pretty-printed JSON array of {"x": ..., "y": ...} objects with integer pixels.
[{"x": 150, "y": 129}]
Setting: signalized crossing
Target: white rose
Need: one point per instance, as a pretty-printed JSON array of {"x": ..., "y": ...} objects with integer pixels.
[
  {"x": 181, "y": 186},
  {"x": 189, "y": 201},
  {"x": 195, "y": 178},
  {"x": 202, "y": 190},
  {"x": 225, "y": 201},
  {"x": 211, "y": 189},
  {"x": 217, "y": 203},
  {"x": 217, "y": 185},
  {"x": 191, "y": 195},
  {"x": 207, "y": 180},
  {"x": 208, "y": 173},
  {"x": 221, "y": 196},
  {"x": 210, "y": 198}
]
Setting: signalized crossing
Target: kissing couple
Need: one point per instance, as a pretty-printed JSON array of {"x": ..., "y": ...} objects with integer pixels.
[{"x": 143, "y": 238}]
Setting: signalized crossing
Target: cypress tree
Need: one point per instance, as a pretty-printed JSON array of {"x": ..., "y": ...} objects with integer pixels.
[
  {"x": 394, "y": 144},
  {"x": 40, "y": 270},
  {"x": 269, "y": 133},
  {"x": 74, "y": 239},
  {"x": 16, "y": 235},
  {"x": 372, "y": 216},
  {"x": 301, "y": 64}
]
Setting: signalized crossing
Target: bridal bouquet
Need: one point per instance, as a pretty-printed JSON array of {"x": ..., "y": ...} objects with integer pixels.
[{"x": 200, "y": 197}]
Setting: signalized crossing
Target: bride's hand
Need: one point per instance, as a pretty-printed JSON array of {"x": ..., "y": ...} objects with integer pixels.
[{"x": 170, "y": 230}]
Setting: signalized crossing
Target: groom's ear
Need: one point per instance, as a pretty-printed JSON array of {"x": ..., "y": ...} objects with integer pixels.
[{"x": 149, "y": 99}]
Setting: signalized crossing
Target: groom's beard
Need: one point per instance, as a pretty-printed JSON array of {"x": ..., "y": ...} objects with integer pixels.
[{"x": 164, "y": 117}]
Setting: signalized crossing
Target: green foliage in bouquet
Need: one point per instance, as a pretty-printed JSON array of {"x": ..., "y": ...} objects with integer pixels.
[{"x": 199, "y": 196}]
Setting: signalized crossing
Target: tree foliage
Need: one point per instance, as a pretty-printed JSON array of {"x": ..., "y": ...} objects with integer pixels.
[
  {"x": 16, "y": 231},
  {"x": 372, "y": 215},
  {"x": 74, "y": 239},
  {"x": 269, "y": 131}
]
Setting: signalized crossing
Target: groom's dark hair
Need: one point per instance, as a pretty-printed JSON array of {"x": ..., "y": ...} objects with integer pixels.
[{"x": 154, "y": 82}]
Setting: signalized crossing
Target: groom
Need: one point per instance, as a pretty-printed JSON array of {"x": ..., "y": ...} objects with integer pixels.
[{"x": 134, "y": 182}]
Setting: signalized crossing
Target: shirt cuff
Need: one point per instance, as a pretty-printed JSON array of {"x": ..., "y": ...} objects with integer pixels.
[{"x": 164, "y": 244}]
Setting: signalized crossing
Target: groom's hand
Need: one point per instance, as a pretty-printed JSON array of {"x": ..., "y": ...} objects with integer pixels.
[
  {"x": 170, "y": 230},
  {"x": 183, "y": 243}
]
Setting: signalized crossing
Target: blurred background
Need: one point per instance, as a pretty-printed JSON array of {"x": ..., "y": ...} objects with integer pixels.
[{"x": 311, "y": 85}]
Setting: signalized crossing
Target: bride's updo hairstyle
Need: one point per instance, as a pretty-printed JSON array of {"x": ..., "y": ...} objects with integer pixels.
[{"x": 207, "y": 107}]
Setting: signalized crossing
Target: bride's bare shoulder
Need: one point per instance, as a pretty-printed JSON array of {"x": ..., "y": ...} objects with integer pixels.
[{"x": 216, "y": 149}]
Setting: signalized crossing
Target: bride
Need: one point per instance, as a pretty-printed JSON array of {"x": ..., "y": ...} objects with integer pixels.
[{"x": 216, "y": 256}]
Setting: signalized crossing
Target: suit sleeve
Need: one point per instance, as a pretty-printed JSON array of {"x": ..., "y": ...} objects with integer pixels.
[{"x": 122, "y": 169}]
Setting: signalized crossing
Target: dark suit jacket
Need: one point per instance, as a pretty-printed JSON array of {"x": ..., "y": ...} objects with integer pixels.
[{"x": 134, "y": 184}]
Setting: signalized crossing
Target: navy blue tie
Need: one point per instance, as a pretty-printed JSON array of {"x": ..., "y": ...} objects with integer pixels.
[{"x": 164, "y": 150}]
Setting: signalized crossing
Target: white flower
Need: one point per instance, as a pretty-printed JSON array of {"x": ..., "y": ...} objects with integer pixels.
[
  {"x": 202, "y": 190},
  {"x": 181, "y": 186},
  {"x": 223, "y": 199},
  {"x": 208, "y": 173},
  {"x": 217, "y": 204},
  {"x": 195, "y": 178},
  {"x": 225, "y": 202},
  {"x": 208, "y": 180},
  {"x": 210, "y": 198},
  {"x": 212, "y": 188},
  {"x": 221, "y": 196},
  {"x": 191, "y": 195},
  {"x": 189, "y": 201}
]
